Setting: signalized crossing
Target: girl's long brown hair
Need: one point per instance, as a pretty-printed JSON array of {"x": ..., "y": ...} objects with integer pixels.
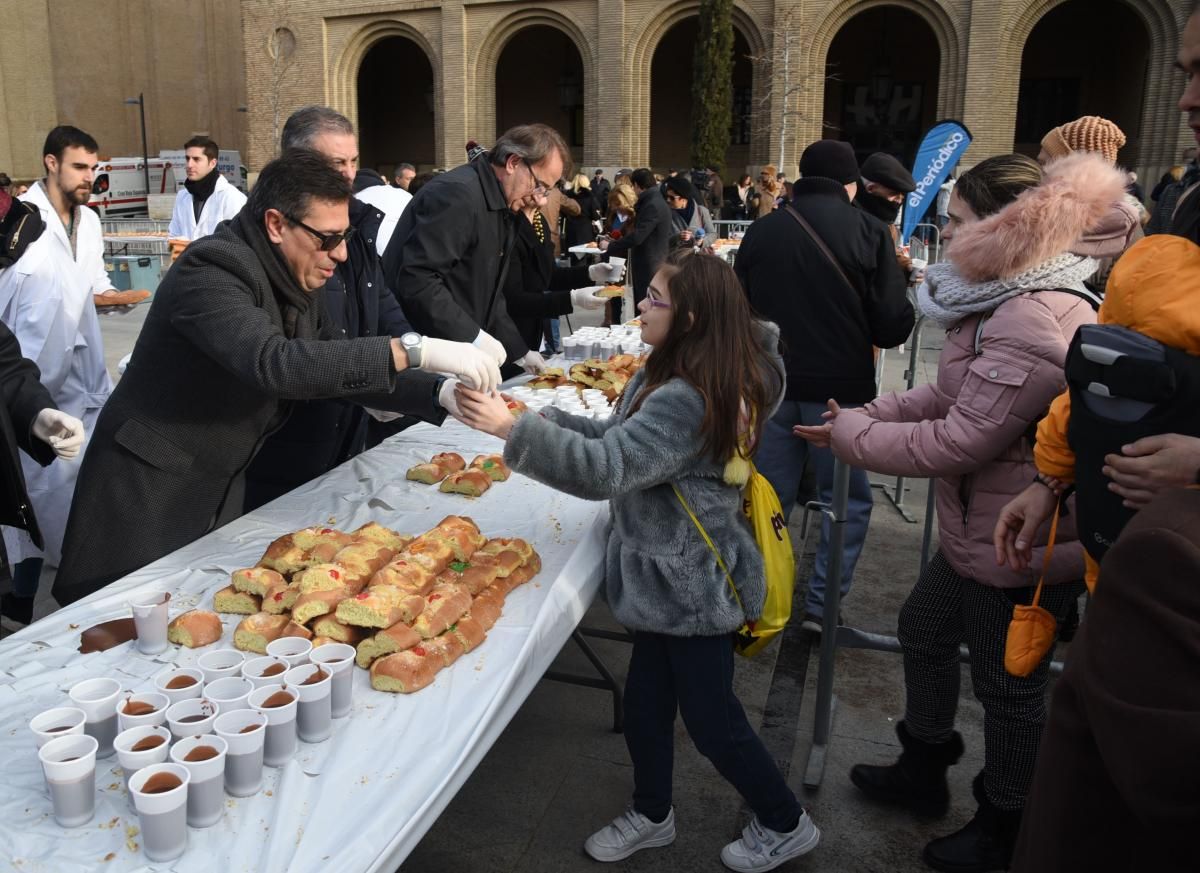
[{"x": 711, "y": 344}]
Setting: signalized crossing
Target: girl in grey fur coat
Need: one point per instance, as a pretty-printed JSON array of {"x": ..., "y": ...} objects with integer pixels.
[{"x": 685, "y": 420}]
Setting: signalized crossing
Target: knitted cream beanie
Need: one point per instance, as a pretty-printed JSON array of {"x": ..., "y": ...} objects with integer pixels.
[{"x": 1088, "y": 134}]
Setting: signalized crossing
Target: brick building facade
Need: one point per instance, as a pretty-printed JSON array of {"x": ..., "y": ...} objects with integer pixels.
[{"x": 421, "y": 77}]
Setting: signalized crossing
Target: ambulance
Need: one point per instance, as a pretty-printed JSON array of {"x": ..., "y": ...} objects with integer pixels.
[{"x": 119, "y": 187}]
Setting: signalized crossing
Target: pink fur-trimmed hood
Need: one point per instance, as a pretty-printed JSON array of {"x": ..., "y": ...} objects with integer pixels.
[{"x": 1081, "y": 199}]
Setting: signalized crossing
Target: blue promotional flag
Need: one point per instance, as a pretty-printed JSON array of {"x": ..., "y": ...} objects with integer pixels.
[{"x": 939, "y": 153}]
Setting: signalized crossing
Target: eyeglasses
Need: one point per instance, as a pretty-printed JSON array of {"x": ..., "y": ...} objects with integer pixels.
[
  {"x": 654, "y": 302},
  {"x": 540, "y": 188},
  {"x": 329, "y": 241}
]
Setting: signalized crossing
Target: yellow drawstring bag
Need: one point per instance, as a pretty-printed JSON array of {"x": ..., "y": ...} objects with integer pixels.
[
  {"x": 1032, "y": 629},
  {"x": 761, "y": 505}
]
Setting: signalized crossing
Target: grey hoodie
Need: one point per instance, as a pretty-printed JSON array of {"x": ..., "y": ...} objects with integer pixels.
[{"x": 660, "y": 575}]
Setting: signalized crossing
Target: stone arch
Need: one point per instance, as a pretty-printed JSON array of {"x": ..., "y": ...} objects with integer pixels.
[
  {"x": 341, "y": 87},
  {"x": 482, "y": 70},
  {"x": 1162, "y": 133},
  {"x": 951, "y": 75},
  {"x": 636, "y": 135}
]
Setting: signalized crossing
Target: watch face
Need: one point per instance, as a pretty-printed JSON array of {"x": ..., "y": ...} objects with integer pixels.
[{"x": 410, "y": 340}]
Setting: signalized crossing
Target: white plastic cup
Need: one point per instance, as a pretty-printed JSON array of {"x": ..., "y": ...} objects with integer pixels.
[
  {"x": 189, "y": 692},
  {"x": 162, "y": 817},
  {"x": 62, "y": 721},
  {"x": 206, "y": 788},
  {"x": 187, "y": 718},
  {"x": 255, "y": 667},
  {"x": 221, "y": 664},
  {"x": 294, "y": 650},
  {"x": 158, "y": 700},
  {"x": 244, "y": 750},
  {"x": 281, "y": 724},
  {"x": 338, "y": 659},
  {"x": 230, "y": 693},
  {"x": 150, "y": 620},
  {"x": 69, "y": 764},
  {"x": 132, "y": 761},
  {"x": 314, "y": 715},
  {"x": 98, "y": 700}
]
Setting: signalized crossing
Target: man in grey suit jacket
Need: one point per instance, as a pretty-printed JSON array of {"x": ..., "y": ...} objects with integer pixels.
[{"x": 235, "y": 333}]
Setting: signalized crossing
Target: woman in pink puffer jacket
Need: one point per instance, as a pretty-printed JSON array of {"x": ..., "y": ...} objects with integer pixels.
[{"x": 1010, "y": 298}]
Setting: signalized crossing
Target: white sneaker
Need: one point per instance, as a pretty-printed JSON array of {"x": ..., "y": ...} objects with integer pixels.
[
  {"x": 630, "y": 832},
  {"x": 761, "y": 848}
]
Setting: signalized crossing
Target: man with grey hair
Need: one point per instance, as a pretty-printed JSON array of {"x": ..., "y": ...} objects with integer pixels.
[
  {"x": 448, "y": 257},
  {"x": 404, "y": 175},
  {"x": 319, "y": 434}
]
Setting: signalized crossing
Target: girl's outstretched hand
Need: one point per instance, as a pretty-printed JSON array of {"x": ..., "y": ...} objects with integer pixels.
[
  {"x": 486, "y": 412},
  {"x": 820, "y": 435}
]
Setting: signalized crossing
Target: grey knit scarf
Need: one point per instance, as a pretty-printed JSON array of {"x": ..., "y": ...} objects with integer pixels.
[{"x": 947, "y": 298}]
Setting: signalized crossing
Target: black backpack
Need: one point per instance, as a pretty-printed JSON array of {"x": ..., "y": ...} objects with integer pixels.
[
  {"x": 18, "y": 229},
  {"x": 1124, "y": 386}
]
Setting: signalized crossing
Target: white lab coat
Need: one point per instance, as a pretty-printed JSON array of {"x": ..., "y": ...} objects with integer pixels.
[
  {"x": 391, "y": 201},
  {"x": 46, "y": 300},
  {"x": 225, "y": 202}
]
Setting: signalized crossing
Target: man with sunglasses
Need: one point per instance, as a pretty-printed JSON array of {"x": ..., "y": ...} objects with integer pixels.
[
  {"x": 235, "y": 336},
  {"x": 448, "y": 258},
  {"x": 319, "y": 434}
]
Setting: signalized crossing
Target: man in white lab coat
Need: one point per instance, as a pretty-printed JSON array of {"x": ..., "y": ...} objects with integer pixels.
[
  {"x": 207, "y": 198},
  {"x": 49, "y": 299}
]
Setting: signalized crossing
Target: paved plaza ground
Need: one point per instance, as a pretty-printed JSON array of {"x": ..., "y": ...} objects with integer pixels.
[{"x": 558, "y": 772}]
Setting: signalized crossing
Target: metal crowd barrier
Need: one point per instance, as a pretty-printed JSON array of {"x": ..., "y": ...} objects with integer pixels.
[{"x": 834, "y": 636}]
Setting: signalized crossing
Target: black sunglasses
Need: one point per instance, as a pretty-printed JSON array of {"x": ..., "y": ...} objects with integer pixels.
[{"x": 329, "y": 241}]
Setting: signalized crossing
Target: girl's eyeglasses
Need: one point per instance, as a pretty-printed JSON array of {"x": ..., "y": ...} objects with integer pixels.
[{"x": 655, "y": 303}]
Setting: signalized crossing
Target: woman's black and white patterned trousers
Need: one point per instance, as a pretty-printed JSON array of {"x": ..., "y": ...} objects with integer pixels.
[{"x": 945, "y": 609}]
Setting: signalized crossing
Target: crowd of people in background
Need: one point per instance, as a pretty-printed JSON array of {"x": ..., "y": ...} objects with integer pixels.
[{"x": 334, "y": 307}]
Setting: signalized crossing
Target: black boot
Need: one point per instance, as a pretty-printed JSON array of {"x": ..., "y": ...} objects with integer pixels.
[
  {"x": 985, "y": 843},
  {"x": 918, "y": 780}
]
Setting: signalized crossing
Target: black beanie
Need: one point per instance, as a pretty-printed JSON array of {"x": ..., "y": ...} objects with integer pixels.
[
  {"x": 830, "y": 159},
  {"x": 889, "y": 172}
]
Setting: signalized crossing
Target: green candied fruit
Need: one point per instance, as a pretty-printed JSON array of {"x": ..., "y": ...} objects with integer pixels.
[
  {"x": 459, "y": 566},
  {"x": 487, "y": 465}
]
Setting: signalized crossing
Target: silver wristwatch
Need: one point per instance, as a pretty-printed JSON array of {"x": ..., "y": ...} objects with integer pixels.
[{"x": 411, "y": 343}]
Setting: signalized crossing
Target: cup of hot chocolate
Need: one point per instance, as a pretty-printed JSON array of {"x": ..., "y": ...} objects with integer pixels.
[
  {"x": 150, "y": 619},
  {"x": 314, "y": 715},
  {"x": 187, "y": 718},
  {"x": 69, "y": 764},
  {"x": 61, "y": 721},
  {"x": 229, "y": 693},
  {"x": 98, "y": 700},
  {"x": 186, "y": 683},
  {"x": 265, "y": 671},
  {"x": 279, "y": 705},
  {"x": 143, "y": 708},
  {"x": 205, "y": 759},
  {"x": 221, "y": 664},
  {"x": 338, "y": 659},
  {"x": 139, "y": 747},
  {"x": 160, "y": 794},
  {"x": 294, "y": 650},
  {"x": 244, "y": 732}
]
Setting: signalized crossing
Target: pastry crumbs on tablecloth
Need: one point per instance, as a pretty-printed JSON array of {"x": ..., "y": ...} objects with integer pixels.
[
  {"x": 110, "y": 856},
  {"x": 73, "y": 627},
  {"x": 269, "y": 793},
  {"x": 112, "y": 823}
]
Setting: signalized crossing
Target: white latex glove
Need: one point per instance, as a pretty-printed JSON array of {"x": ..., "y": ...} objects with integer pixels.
[
  {"x": 489, "y": 344},
  {"x": 608, "y": 273},
  {"x": 532, "y": 362},
  {"x": 447, "y": 400},
  {"x": 585, "y": 298},
  {"x": 473, "y": 366},
  {"x": 62, "y": 432}
]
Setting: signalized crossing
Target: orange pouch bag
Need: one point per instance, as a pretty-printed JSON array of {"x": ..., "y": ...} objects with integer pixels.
[{"x": 1032, "y": 629}]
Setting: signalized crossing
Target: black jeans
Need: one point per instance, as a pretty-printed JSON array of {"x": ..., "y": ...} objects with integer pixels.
[{"x": 694, "y": 676}]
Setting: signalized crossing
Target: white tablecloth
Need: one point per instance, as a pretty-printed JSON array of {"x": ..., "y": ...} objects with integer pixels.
[{"x": 363, "y": 799}]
